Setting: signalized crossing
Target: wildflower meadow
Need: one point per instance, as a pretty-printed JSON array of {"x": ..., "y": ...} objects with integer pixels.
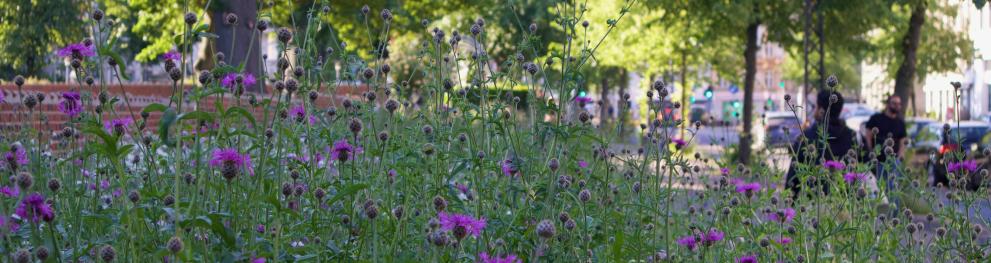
[{"x": 465, "y": 152}]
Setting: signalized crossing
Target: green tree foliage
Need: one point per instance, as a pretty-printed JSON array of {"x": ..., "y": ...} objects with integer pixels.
[{"x": 31, "y": 30}]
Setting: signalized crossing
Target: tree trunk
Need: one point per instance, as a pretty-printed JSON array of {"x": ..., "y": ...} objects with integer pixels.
[
  {"x": 905, "y": 77},
  {"x": 750, "y": 58},
  {"x": 685, "y": 91},
  {"x": 604, "y": 98},
  {"x": 239, "y": 42}
]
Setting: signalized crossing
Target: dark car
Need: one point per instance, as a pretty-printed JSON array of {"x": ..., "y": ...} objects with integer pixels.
[{"x": 960, "y": 149}]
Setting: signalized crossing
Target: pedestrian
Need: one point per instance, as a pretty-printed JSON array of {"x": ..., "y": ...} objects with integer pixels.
[
  {"x": 827, "y": 139},
  {"x": 886, "y": 138}
]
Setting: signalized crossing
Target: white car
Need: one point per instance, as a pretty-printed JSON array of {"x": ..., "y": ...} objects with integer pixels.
[{"x": 776, "y": 129}]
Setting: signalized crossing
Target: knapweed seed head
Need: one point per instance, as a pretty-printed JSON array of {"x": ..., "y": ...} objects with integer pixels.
[
  {"x": 175, "y": 244},
  {"x": 190, "y": 18},
  {"x": 284, "y": 35},
  {"x": 107, "y": 253},
  {"x": 546, "y": 229},
  {"x": 231, "y": 19}
]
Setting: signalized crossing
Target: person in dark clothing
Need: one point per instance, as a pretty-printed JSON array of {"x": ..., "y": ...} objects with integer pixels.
[
  {"x": 886, "y": 137},
  {"x": 828, "y": 139}
]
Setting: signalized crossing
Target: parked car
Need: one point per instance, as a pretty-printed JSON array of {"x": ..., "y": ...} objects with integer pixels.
[
  {"x": 962, "y": 141},
  {"x": 856, "y": 109},
  {"x": 778, "y": 129},
  {"x": 914, "y": 126}
]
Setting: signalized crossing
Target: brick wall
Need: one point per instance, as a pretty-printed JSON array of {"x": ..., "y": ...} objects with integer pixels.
[{"x": 13, "y": 112}]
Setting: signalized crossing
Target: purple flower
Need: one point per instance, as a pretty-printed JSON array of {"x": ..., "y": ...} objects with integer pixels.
[
  {"x": 461, "y": 187},
  {"x": 724, "y": 171},
  {"x": 34, "y": 208},
  {"x": 968, "y": 165},
  {"x": 784, "y": 240},
  {"x": 77, "y": 50},
  {"x": 260, "y": 228},
  {"x": 786, "y": 215},
  {"x": 852, "y": 177},
  {"x": 257, "y": 260},
  {"x": 231, "y": 161},
  {"x": 70, "y": 104},
  {"x": 688, "y": 242},
  {"x": 230, "y": 80},
  {"x": 343, "y": 151},
  {"x": 834, "y": 165},
  {"x": 582, "y": 164},
  {"x": 509, "y": 169},
  {"x": 678, "y": 143},
  {"x": 712, "y": 237},
  {"x": 2, "y": 97},
  {"x": 748, "y": 188},
  {"x": 298, "y": 113},
  {"x": 118, "y": 125},
  {"x": 16, "y": 156},
  {"x": 10, "y": 192},
  {"x": 747, "y": 259},
  {"x": 172, "y": 55},
  {"x": 470, "y": 224},
  {"x": 485, "y": 258},
  {"x": 7, "y": 223},
  {"x": 583, "y": 99}
]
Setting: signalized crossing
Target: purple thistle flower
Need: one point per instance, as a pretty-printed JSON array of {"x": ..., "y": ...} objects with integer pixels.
[
  {"x": 231, "y": 161},
  {"x": 16, "y": 155},
  {"x": 2, "y": 97},
  {"x": 260, "y": 228},
  {"x": 784, "y": 240},
  {"x": 70, "y": 104},
  {"x": 8, "y": 224},
  {"x": 748, "y": 188},
  {"x": 298, "y": 112},
  {"x": 249, "y": 80},
  {"x": 461, "y": 187},
  {"x": 712, "y": 237},
  {"x": 485, "y": 258},
  {"x": 34, "y": 208},
  {"x": 343, "y": 151},
  {"x": 678, "y": 143},
  {"x": 852, "y": 177},
  {"x": 10, "y": 192},
  {"x": 747, "y": 259},
  {"x": 257, "y": 260},
  {"x": 968, "y": 165},
  {"x": 77, "y": 50},
  {"x": 582, "y": 164},
  {"x": 724, "y": 171},
  {"x": 508, "y": 169},
  {"x": 230, "y": 80},
  {"x": 834, "y": 165},
  {"x": 583, "y": 99},
  {"x": 118, "y": 125},
  {"x": 172, "y": 55},
  {"x": 688, "y": 242},
  {"x": 470, "y": 224},
  {"x": 786, "y": 216}
]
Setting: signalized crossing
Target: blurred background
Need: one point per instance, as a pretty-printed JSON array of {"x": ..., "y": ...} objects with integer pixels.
[{"x": 728, "y": 64}]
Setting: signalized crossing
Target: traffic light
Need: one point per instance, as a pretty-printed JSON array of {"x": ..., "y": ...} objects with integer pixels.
[{"x": 708, "y": 92}]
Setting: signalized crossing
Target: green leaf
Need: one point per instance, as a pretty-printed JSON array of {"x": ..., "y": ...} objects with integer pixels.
[
  {"x": 350, "y": 190},
  {"x": 154, "y": 107},
  {"x": 617, "y": 247},
  {"x": 164, "y": 124},
  {"x": 243, "y": 112},
  {"x": 196, "y": 115}
]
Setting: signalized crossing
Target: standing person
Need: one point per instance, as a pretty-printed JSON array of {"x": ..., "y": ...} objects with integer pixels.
[
  {"x": 828, "y": 139},
  {"x": 886, "y": 137}
]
